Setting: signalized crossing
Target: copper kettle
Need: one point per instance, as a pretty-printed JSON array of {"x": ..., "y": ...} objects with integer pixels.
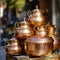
[
  {"x": 36, "y": 18},
  {"x": 24, "y": 29},
  {"x": 52, "y": 33},
  {"x": 13, "y": 47},
  {"x": 38, "y": 45}
]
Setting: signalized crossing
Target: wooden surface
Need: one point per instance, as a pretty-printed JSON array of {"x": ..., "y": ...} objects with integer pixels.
[{"x": 52, "y": 57}]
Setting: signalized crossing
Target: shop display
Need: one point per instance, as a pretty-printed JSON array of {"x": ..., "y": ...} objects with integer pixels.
[{"x": 40, "y": 37}]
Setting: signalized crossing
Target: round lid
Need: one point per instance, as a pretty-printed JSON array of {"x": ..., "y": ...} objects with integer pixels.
[{"x": 37, "y": 39}]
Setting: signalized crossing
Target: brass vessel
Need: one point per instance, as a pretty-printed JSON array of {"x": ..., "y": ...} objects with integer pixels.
[
  {"x": 36, "y": 18},
  {"x": 13, "y": 47},
  {"x": 38, "y": 45}
]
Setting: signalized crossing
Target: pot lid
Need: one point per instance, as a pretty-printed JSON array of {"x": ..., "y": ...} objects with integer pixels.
[{"x": 37, "y": 39}]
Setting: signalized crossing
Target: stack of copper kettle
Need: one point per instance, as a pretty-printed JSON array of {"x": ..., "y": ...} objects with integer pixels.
[
  {"x": 43, "y": 42},
  {"x": 15, "y": 45},
  {"x": 40, "y": 41}
]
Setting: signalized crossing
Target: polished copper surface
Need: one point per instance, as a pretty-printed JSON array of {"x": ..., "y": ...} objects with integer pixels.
[
  {"x": 52, "y": 33},
  {"x": 13, "y": 47},
  {"x": 24, "y": 29},
  {"x": 37, "y": 46},
  {"x": 37, "y": 18}
]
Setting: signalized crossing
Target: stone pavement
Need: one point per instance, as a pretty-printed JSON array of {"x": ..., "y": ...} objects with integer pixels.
[{"x": 2, "y": 53}]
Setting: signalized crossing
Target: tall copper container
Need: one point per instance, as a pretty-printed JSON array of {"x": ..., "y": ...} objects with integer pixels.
[{"x": 52, "y": 33}]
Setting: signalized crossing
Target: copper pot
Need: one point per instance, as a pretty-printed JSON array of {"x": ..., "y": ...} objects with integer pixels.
[
  {"x": 37, "y": 18},
  {"x": 52, "y": 33},
  {"x": 37, "y": 46},
  {"x": 13, "y": 47},
  {"x": 24, "y": 29}
]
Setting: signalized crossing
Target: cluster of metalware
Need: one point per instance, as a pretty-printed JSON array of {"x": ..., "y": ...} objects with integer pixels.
[{"x": 40, "y": 37}]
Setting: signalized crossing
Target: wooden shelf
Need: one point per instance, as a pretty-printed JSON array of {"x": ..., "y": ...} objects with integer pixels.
[{"x": 52, "y": 57}]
